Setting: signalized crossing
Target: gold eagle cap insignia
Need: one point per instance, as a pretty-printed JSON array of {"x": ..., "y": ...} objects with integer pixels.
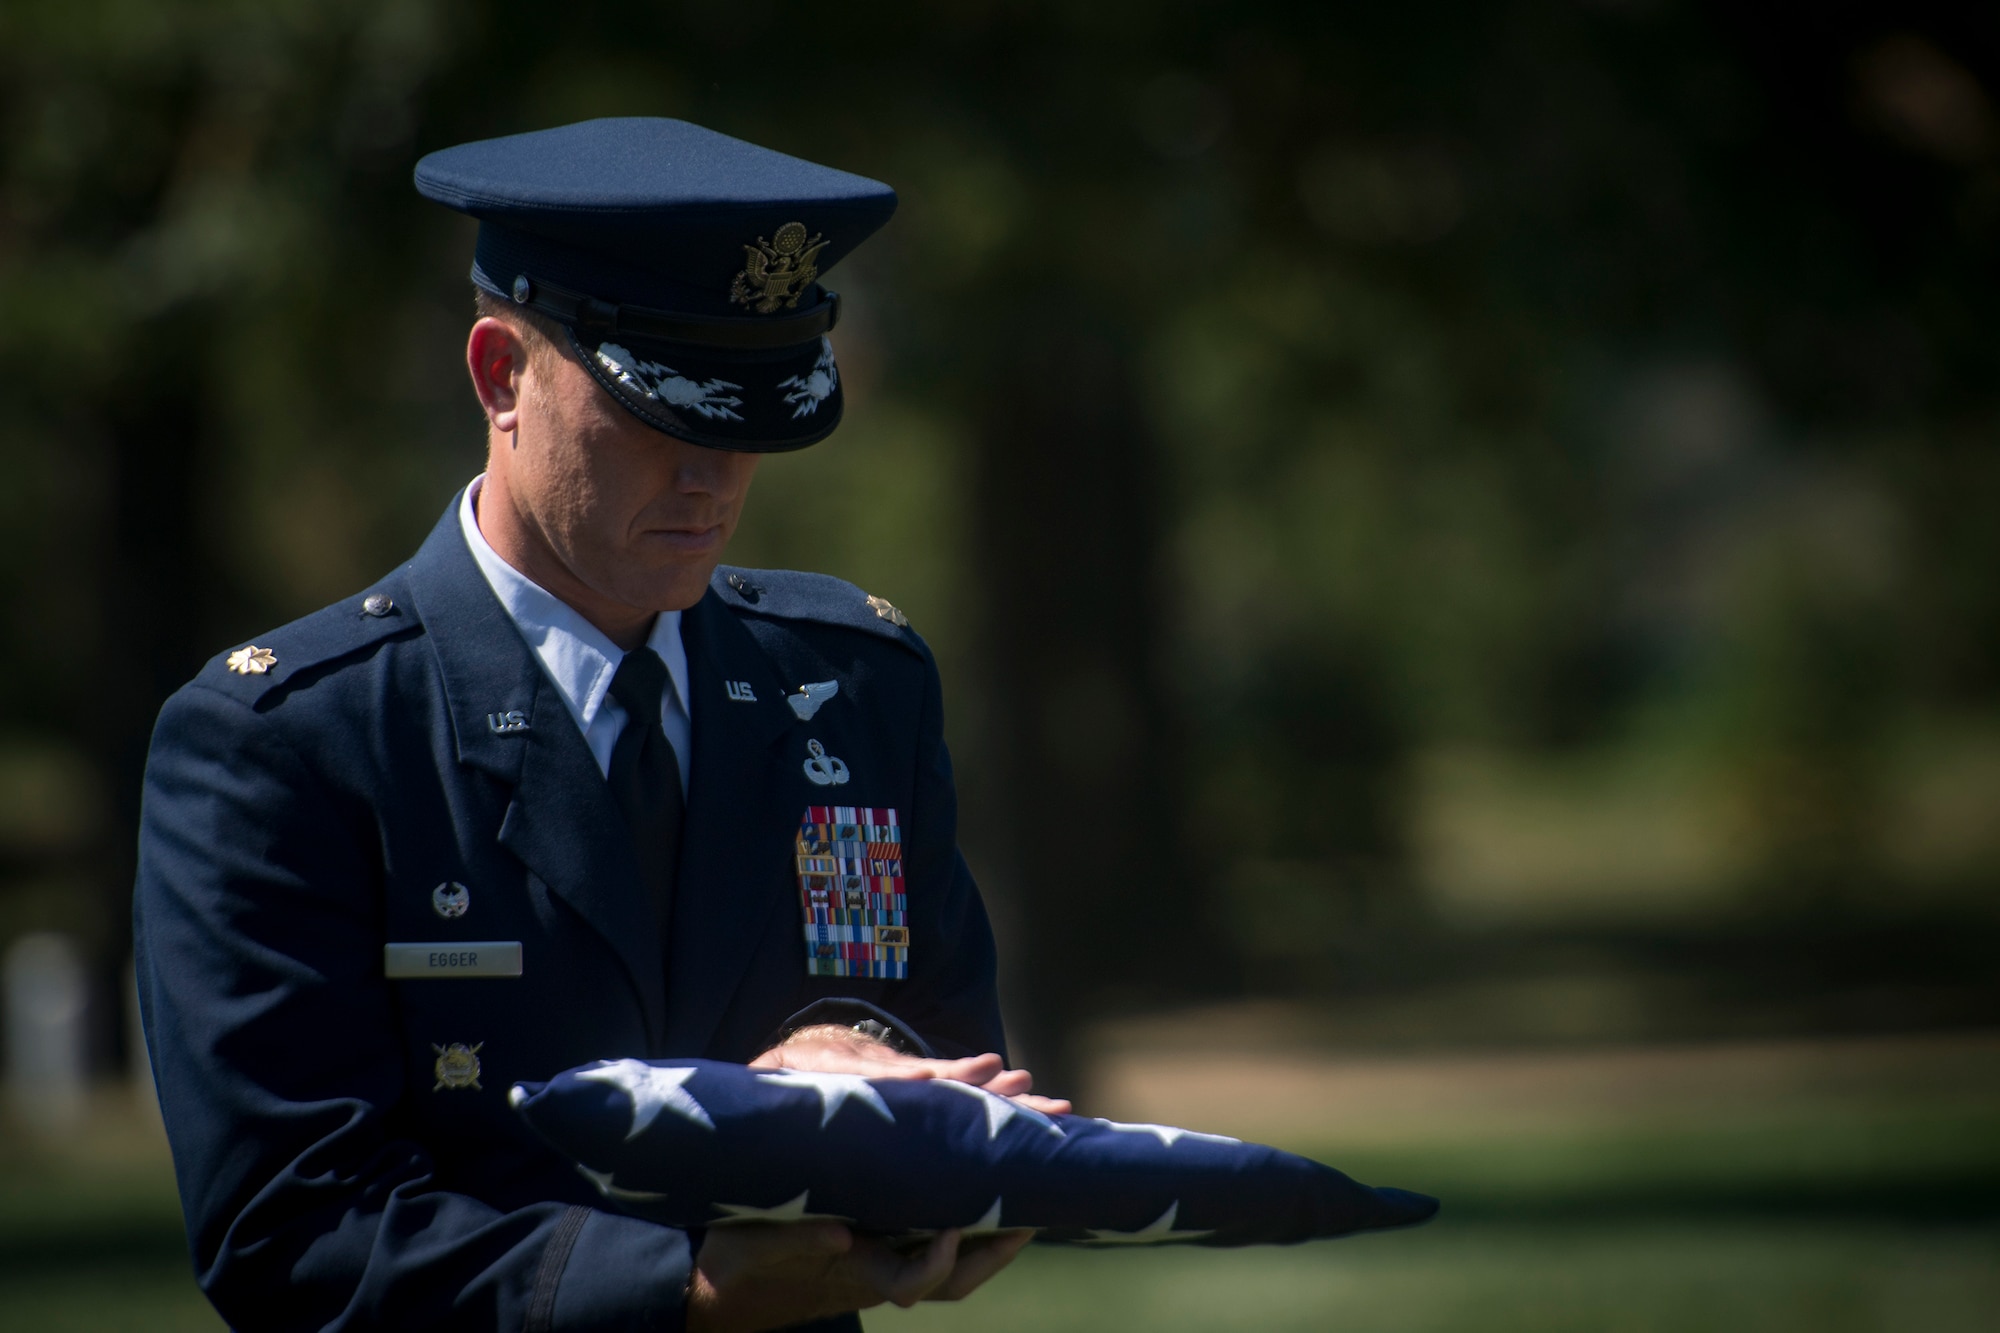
[{"x": 778, "y": 271}]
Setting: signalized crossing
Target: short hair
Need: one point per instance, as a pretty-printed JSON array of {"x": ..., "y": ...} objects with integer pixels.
[{"x": 541, "y": 335}]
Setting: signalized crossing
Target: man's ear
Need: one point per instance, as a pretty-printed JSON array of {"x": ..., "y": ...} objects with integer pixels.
[{"x": 498, "y": 362}]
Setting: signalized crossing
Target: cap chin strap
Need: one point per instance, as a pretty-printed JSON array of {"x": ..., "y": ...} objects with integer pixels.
[{"x": 733, "y": 332}]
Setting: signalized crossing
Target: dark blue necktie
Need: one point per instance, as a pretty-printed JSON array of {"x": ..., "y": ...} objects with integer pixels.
[{"x": 645, "y": 776}]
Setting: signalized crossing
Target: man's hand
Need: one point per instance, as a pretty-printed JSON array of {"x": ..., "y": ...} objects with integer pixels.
[
  {"x": 765, "y": 1276},
  {"x": 830, "y": 1049},
  {"x": 762, "y": 1276}
]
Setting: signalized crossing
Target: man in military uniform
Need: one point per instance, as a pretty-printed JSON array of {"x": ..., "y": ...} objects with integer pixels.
[{"x": 558, "y": 790}]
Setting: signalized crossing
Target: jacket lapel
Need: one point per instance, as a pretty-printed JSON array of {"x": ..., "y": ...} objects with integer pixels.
[
  {"x": 737, "y": 832},
  {"x": 561, "y": 822}
]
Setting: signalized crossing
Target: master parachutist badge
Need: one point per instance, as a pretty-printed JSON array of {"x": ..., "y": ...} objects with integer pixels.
[
  {"x": 457, "y": 1066},
  {"x": 778, "y": 271},
  {"x": 823, "y": 768}
]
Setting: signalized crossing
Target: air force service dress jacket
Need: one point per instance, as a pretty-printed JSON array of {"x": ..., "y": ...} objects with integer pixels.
[{"x": 345, "y": 1151}]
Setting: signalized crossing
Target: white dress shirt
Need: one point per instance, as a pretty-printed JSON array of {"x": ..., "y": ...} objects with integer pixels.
[{"x": 577, "y": 656}]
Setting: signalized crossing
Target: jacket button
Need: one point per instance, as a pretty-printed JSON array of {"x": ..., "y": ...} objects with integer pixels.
[{"x": 377, "y": 605}]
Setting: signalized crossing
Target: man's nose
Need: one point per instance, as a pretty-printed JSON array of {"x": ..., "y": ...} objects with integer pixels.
[{"x": 701, "y": 471}]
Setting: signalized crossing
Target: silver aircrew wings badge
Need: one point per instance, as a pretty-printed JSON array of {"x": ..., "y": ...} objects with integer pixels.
[
  {"x": 810, "y": 696},
  {"x": 457, "y": 1066},
  {"x": 778, "y": 271},
  {"x": 850, "y": 861},
  {"x": 252, "y": 660}
]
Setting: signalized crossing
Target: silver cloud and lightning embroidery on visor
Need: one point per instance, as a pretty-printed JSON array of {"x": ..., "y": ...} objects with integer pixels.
[{"x": 651, "y": 380}]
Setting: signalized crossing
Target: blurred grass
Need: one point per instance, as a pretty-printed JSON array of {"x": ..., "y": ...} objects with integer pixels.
[
  {"x": 1911, "y": 1163},
  {"x": 90, "y": 1230},
  {"x": 1811, "y": 1186},
  {"x": 1825, "y": 1186},
  {"x": 125, "y": 1298},
  {"x": 1826, "y": 1277}
]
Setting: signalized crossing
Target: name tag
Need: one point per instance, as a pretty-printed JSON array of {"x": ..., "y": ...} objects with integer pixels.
[{"x": 456, "y": 958}]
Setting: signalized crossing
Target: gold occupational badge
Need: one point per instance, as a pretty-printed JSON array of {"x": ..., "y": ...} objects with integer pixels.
[
  {"x": 457, "y": 1066},
  {"x": 252, "y": 660},
  {"x": 778, "y": 271},
  {"x": 882, "y": 607}
]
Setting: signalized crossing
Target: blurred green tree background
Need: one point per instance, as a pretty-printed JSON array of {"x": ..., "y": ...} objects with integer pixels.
[{"x": 1477, "y": 520}]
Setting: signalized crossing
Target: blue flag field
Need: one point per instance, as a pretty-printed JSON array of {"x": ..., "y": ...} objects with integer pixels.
[{"x": 699, "y": 1143}]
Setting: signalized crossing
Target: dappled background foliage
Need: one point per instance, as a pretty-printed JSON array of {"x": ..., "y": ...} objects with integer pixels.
[{"x": 1476, "y": 519}]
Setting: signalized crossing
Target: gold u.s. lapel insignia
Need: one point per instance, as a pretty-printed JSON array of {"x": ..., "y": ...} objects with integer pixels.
[
  {"x": 778, "y": 271},
  {"x": 457, "y": 1066},
  {"x": 252, "y": 660}
]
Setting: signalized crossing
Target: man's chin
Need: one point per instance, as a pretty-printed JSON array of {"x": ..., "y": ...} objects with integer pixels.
[{"x": 671, "y": 590}]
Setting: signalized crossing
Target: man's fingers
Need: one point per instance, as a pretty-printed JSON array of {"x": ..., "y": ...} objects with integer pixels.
[
  {"x": 760, "y": 1275},
  {"x": 735, "y": 1257},
  {"x": 843, "y": 1054},
  {"x": 872, "y": 1059},
  {"x": 904, "y": 1276},
  {"x": 1046, "y": 1105},
  {"x": 925, "y": 1272},
  {"x": 1011, "y": 1082},
  {"x": 979, "y": 1260},
  {"x": 729, "y": 1252},
  {"x": 1020, "y": 1085},
  {"x": 978, "y": 1070},
  {"x": 782, "y": 1241}
]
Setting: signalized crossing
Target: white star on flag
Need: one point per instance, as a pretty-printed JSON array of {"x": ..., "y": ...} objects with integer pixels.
[
  {"x": 1166, "y": 1133},
  {"x": 602, "y": 1179},
  {"x": 1159, "y": 1230},
  {"x": 988, "y": 1223},
  {"x": 999, "y": 1110},
  {"x": 834, "y": 1090},
  {"x": 652, "y": 1091},
  {"x": 791, "y": 1210}
]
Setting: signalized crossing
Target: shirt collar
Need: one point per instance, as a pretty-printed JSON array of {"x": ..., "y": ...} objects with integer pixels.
[{"x": 578, "y": 656}]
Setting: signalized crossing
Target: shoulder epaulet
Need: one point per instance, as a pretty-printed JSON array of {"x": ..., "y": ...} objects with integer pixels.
[
  {"x": 787, "y": 594},
  {"x": 252, "y": 670}
]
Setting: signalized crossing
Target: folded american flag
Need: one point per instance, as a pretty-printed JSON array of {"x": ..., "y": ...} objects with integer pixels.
[{"x": 697, "y": 1143}]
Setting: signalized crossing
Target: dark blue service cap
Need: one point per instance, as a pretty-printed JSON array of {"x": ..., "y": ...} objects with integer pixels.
[{"x": 685, "y": 265}]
